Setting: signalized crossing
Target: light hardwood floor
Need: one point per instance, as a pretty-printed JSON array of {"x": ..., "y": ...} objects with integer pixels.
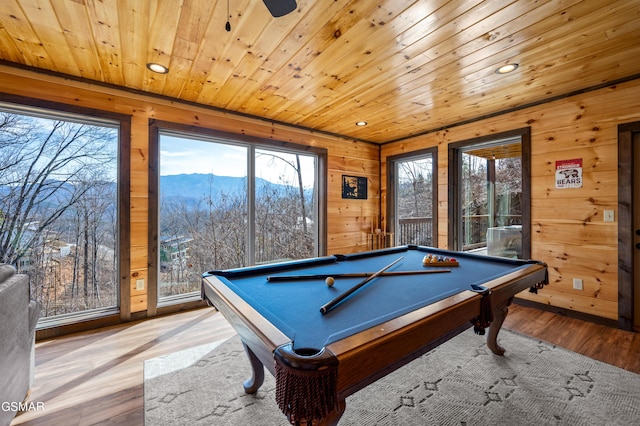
[{"x": 96, "y": 378}]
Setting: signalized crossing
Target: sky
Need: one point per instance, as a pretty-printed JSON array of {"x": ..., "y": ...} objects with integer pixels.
[{"x": 189, "y": 156}]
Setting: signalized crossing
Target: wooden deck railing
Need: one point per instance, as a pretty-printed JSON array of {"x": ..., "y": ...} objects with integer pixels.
[
  {"x": 474, "y": 228},
  {"x": 415, "y": 230},
  {"x": 419, "y": 230}
]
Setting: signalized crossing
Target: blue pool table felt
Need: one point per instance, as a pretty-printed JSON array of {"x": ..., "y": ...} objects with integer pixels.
[{"x": 294, "y": 306}]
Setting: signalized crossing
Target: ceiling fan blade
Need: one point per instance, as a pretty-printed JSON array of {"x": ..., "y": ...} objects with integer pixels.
[{"x": 280, "y": 7}]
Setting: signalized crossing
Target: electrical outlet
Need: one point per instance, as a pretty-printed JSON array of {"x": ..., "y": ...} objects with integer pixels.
[
  {"x": 608, "y": 216},
  {"x": 140, "y": 284},
  {"x": 577, "y": 284}
]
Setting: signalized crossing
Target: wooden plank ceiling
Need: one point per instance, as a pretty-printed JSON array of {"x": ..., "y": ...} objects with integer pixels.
[{"x": 404, "y": 66}]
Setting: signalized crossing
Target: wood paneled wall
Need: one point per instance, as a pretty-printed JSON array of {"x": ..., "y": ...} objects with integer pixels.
[
  {"x": 568, "y": 231},
  {"x": 348, "y": 220}
]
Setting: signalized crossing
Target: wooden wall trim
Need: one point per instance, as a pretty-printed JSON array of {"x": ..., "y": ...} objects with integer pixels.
[
  {"x": 566, "y": 312},
  {"x": 124, "y": 224},
  {"x": 218, "y": 134},
  {"x": 153, "y": 217},
  {"x": 625, "y": 225}
]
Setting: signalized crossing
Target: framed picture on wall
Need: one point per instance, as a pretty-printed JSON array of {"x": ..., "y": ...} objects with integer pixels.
[{"x": 354, "y": 187}]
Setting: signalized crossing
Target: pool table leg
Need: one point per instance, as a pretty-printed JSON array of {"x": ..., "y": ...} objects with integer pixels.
[
  {"x": 499, "y": 314},
  {"x": 252, "y": 384},
  {"x": 342, "y": 405},
  {"x": 333, "y": 418}
]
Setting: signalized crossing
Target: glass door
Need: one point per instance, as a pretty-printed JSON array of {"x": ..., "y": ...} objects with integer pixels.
[
  {"x": 490, "y": 196},
  {"x": 413, "y": 190}
]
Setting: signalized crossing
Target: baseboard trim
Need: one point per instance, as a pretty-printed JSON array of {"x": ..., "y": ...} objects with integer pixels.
[{"x": 567, "y": 313}]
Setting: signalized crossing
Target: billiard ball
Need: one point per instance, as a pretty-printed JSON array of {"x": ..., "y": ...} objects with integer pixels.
[{"x": 329, "y": 281}]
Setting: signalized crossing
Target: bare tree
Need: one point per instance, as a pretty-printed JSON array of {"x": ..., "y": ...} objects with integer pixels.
[
  {"x": 200, "y": 235},
  {"x": 40, "y": 166},
  {"x": 48, "y": 170},
  {"x": 295, "y": 165},
  {"x": 415, "y": 185},
  {"x": 92, "y": 242}
]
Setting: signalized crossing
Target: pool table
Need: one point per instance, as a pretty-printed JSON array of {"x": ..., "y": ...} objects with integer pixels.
[{"x": 318, "y": 359}]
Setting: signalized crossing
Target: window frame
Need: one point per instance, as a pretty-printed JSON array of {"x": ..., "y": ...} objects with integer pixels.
[
  {"x": 455, "y": 151},
  {"x": 392, "y": 162},
  {"x": 91, "y": 319},
  {"x": 156, "y": 127}
]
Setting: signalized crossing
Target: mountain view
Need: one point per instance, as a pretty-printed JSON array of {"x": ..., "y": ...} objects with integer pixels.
[{"x": 195, "y": 186}]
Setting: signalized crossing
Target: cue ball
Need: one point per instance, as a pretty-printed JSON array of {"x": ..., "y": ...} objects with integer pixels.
[{"x": 329, "y": 281}]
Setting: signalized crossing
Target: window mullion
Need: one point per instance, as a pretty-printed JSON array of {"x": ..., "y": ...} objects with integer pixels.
[{"x": 251, "y": 205}]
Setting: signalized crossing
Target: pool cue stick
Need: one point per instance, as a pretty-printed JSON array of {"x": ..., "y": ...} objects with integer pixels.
[
  {"x": 330, "y": 305},
  {"x": 278, "y": 278}
]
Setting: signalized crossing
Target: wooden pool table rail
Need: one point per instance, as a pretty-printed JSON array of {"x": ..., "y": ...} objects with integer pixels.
[{"x": 373, "y": 353}]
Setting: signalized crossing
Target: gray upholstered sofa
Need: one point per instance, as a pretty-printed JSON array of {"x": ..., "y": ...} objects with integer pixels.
[{"x": 18, "y": 317}]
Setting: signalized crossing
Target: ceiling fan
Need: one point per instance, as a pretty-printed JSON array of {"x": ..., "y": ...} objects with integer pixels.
[
  {"x": 280, "y": 7},
  {"x": 277, "y": 8}
]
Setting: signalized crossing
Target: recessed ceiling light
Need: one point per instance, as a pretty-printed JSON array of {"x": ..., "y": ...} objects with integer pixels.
[
  {"x": 160, "y": 69},
  {"x": 361, "y": 123},
  {"x": 506, "y": 69}
]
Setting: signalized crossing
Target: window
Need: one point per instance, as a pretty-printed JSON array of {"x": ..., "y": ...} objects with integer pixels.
[
  {"x": 227, "y": 201},
  {"x": 413, "y": 188},
  {"x": 490, "y": 188},
  {"x": 285, "y": 206},
  {"x": 59, "y": 209},
  {"x": 203, "y": 210}
]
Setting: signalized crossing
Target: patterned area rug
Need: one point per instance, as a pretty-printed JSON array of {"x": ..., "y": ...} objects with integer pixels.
[{"x": 458, "y": 383}]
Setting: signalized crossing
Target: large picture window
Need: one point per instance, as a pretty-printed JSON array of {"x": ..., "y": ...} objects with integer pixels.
[
  {"x": 227, "y": 202},
  {"x": 59, "y": 209}
]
